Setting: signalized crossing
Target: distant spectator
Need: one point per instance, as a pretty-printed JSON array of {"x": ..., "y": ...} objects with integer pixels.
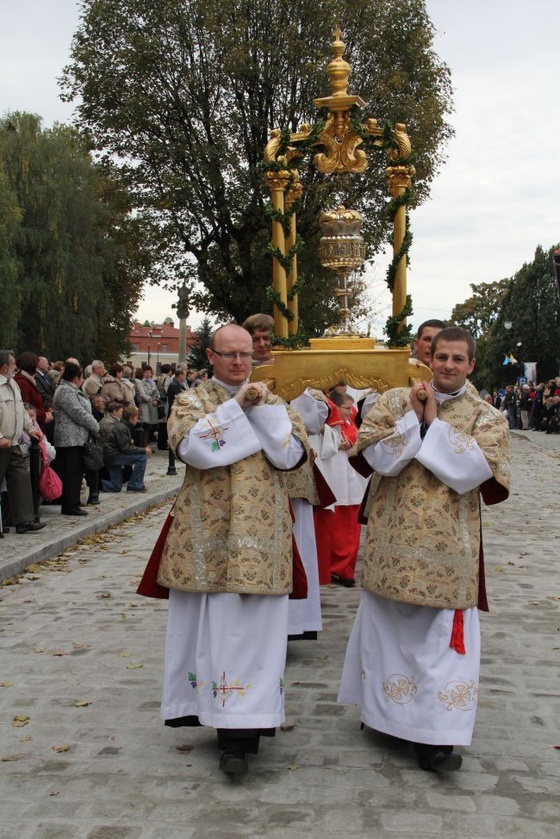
[
  {"x": 551, "y": 415},
  {"x": 94, "y": 382},
  {"x": 148, "y": 401},
  {"x": 45, "y": 384},
  {"x": 98, "y": 406},
  {"x": 525, "y": 404},
  {"x": 162, "y": 383},
  {"x": 177, "y": 384},
  {"x": 112, "y": 416},
  {"x": 128, "y": 386},
  {"x": 74, "y": 422},
  {"x": 13, "y": 421},
  {"x": 54, "y": 376},
  {"x": 26, "y": 364},
  {"x": 119, "y": 451},
  {"x": 113, "y": 390},
  {"x": 509, "y": 402}
]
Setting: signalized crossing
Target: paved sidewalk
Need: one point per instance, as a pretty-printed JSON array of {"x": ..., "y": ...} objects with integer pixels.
[
  {"x": 83, "y": 754},
  {"x": 19, "y": 551}
]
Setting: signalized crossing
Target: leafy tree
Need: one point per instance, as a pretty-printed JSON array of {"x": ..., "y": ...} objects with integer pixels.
[
  {"x": 80, "y": 260},
  {"x": 183, "y": 93},
  {"x": 10, "y": 291},
  {"x": 529, "y": 302},
  {"x": 196, "y": 357},
  {"x": 479, "y": 312},
  {"x": 531, "y": 305}
]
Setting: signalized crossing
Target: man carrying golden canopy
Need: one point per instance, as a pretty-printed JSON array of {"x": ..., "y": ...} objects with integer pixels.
[
  {"x": 413, "y": 658},
  {"x": 227, "y": 558}
]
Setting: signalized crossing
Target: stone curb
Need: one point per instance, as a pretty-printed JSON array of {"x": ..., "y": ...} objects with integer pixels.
[{"x": 16, "y": 565}]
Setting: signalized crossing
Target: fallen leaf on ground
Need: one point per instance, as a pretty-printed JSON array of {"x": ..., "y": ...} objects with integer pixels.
[
  {"x": 5, "y": 758},
  {"x": 134, "y": 665},
  {"x": 7, "y": 684},
  {"x": 82, "y": 703},
  {"x": 185, "y": 749},
  {"x": 20, "y": 720},
  {"x": 64, "y": 748}
]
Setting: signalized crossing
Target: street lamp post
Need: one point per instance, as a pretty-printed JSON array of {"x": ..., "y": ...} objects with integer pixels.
[{"x": 149, "y": 339}]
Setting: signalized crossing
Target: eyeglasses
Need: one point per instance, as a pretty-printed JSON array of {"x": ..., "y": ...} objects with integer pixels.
[{"x": 232, "y": 356}]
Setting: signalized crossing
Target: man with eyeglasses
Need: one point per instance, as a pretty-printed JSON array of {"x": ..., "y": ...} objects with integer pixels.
[{"x": 227, "y": 558}]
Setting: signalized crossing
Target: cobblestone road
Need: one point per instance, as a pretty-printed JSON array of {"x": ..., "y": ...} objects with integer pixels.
[{"x": 83, "y": 754}]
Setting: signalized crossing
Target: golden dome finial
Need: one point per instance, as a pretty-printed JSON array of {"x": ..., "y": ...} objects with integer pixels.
[{"x": 338, "y": 69}]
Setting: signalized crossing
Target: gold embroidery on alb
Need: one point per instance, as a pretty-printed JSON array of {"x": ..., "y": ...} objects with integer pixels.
[
  {"x": 400, "y": 689},
  {"x": 460, "y": 695}
]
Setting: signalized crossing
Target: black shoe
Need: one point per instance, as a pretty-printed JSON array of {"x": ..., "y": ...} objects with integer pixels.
[
  {"x": 347, "y": 582},
  {"x": 437, "y": 758},
  {"x": 307, "y": 635},
  {"x": 136, "y": 489},
  {"x": 77, "y": 512},
  {"x": 94, "y": 500},
  {"x": 30, "y": 526},
  {"x": 233, "y": 762}
]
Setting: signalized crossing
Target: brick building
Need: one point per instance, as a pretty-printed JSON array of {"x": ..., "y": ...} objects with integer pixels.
[{"x": 156, "y": 344}]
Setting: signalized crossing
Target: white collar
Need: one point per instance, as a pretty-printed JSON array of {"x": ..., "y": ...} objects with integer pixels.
[
  {"x": 230, "y": 388},
  {"x": 443, "y": 397}
]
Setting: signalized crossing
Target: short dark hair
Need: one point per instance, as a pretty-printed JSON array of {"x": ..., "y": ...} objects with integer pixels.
[
  {"x": 71, "y": 371},
  {"x": 340, "y": 398},
  {"x": 455, "y": 333},
  {"x": 434, "y": 323},
  {"x": 113, "y": 406},
  {"x": 27, "y": 361},
  {"x": 115, "y": 368}
]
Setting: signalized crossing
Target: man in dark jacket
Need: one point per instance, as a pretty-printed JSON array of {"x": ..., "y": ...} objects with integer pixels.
[
  {"x": 177, "y": 384},
  {"x": 119, "y": 451}
]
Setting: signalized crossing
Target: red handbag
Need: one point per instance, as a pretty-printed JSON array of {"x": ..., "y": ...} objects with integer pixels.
[{"x": 50, "y": 485}]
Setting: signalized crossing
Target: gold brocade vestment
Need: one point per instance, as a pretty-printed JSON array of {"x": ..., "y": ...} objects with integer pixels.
[
  {"x": 232, "y": 529},
  {"x": 423, "y": 538}
]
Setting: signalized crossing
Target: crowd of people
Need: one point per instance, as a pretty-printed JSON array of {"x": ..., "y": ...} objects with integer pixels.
[
  {"x": 530, "y": 406},
  {"x": 54, "y": 413}
]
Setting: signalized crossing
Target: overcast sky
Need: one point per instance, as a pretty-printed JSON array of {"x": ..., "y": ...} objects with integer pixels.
[{"x": 497, "y": 195}]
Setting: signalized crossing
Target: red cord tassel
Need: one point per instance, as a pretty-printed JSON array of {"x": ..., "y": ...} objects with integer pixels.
[{"x": 457, "y": 642}]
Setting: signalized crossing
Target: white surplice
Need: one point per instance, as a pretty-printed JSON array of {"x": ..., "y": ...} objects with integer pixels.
[
  {"x": 399, "y": 666},
  {"x": 225, "y": 653},
  {"x": 305, "y": 615}
]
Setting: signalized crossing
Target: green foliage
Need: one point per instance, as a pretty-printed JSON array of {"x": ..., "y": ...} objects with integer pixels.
[
  {"x": 479, "y": 312},
  {"x": 78, "y": 257},
  {"x": 183, "y": 93},
  {"x": 196, "y": 357},
  {"x": 529, "y": 301},
  {"x": 10, "y": 290}
]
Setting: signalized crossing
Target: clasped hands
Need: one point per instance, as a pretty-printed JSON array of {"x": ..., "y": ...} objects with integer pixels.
[
  {"x": 252, "y": 393},
  {"x": 424, "y": 408}
]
